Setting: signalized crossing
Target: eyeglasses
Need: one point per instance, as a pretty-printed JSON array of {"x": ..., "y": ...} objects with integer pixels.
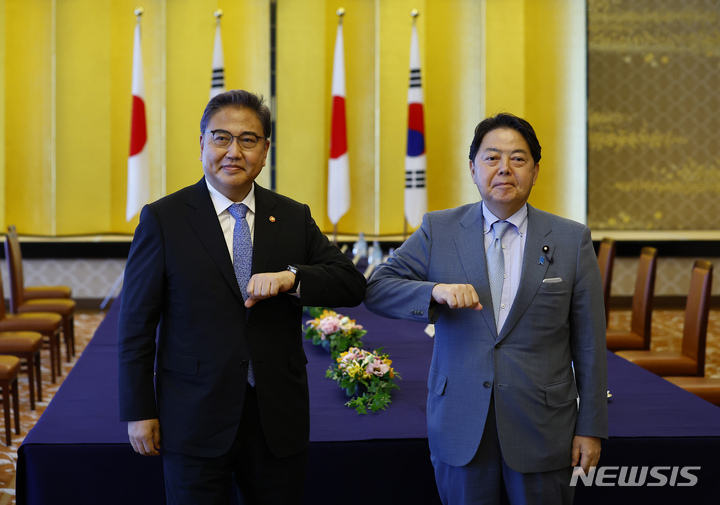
[{"x": 246, "y": 141}]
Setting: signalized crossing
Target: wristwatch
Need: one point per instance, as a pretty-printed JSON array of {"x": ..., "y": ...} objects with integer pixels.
[{"x": 293, "y": 269}]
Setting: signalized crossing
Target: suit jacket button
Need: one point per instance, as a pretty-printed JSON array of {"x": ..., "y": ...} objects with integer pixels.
[
  {"x": 487, "y": 384},
  {"x": 498, "y": 346}
]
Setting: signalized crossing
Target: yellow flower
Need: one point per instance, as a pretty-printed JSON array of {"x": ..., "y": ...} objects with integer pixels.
[{"x": 353, "y": 369}]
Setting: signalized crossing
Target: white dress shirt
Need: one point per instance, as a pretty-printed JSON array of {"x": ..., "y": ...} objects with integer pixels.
[{"x": 227, "y": 222}]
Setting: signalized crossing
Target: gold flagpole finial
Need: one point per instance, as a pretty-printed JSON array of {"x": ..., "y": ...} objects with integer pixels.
[
  {"x": 139, "y": 12},
  {"x": 414, "y": 13},
  {"x": 218, "y": 14},
  {"x": 340, "y": 12}
]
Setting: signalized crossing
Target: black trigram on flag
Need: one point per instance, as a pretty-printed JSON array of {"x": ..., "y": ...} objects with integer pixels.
[
  {"x": 217, "y": 83},
  {"x": 415, "y": 81},
  {"x": 218, "y": 78},
  {"x": 414, "y": 179}
]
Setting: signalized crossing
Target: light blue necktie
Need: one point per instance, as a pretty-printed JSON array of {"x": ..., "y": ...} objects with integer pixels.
[
  {"x": 496, "y": 265},
  {"x": 242, "y": 258}
]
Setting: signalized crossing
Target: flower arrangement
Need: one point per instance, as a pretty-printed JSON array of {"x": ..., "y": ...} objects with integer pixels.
[
  {"x": 335, "y": 332},
  {"x": 315, "y": 311},
  {"x": 366, "y": 376}
]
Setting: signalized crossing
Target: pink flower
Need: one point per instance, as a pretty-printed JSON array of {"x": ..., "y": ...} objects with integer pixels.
[
  {"x": 378, "y": 368},
  {"x": 329, "y": 325},
  {"x": 349, "y": 356}
]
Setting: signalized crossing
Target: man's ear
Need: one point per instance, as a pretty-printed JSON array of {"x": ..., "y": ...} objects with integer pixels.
[{"x": 536, "y": 169}]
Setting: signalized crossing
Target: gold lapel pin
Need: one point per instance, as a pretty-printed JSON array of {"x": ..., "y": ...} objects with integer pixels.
[{"x": 272, "y": 219}]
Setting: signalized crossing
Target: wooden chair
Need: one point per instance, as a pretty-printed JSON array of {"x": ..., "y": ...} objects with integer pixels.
[
  {"x": 9, "y": 369},
  {"x": 606, "y": 261},
  {"x": 691, "y": 360},
  {"x": 641, "y": 322},
  {"x": 48, "y": 324},
  {"x": 65, "y": 307},
  {"x": 26, "y": 345},
  {"x": 16, "y": 278}
]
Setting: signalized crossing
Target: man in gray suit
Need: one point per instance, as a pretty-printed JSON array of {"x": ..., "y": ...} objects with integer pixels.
[{"x": 516, "y": 298}]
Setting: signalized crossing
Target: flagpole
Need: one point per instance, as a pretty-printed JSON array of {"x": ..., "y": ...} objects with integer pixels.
[
  {"x": 217, "y": 75},
  {"x": 138, "y": 182},
  {"x": 340, "y": 13},
  {"x": 338, "y": 199},
  {"x": 118, "y": 282},
  {"x": 414, "y": 14},
  {"x": 415, "y": 195}
]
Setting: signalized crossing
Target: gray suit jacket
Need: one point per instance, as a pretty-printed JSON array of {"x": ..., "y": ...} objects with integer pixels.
[{"x": 529, "y": 365}]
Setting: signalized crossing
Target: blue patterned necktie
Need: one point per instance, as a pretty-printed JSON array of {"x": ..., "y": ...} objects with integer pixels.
[
  {"x": 496, "y": 265},
  {"x": 242, "y": 257}
]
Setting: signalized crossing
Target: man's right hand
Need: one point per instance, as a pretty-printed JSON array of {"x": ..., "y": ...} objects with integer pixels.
[
  {"x": 145, "y": 436},
  {"x": 457, "y": 296}
]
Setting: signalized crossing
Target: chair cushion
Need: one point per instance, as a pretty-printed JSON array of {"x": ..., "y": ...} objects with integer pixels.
[
  {"x": 621, "y": 340},
  {"x": 33, "y": 292},
  {"x": 19, "y": 341},
  {"x": 62, "y": 306},
  {"x": 706, "y": 388},
  {"x": 43, "y": 322},
  {"x": 9, "y": 367},
  {"x": 662, "y": 362}
]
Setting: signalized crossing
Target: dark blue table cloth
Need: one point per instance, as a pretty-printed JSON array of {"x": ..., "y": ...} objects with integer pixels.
[{"x": 78, "y": 451}]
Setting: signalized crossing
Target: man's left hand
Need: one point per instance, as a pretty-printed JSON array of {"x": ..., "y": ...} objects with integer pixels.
[
  {"x": 267, "y": 285},
  {"x": 585, "y": 452}
]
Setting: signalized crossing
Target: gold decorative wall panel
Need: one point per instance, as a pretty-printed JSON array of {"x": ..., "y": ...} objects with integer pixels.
[{"x": 653, "y": 114}]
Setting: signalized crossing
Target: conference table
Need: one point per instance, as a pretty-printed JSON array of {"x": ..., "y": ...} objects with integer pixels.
[{"x": 78, "y": 453}]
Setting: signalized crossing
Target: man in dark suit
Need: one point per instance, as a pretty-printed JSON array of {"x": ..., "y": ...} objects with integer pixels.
[
  {"x": 224, "y": 389},
  {"x": 503, "y": 417}
]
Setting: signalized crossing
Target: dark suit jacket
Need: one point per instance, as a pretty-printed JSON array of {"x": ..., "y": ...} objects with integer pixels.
[
  {"x": 557, "y": 319},
  {"x": 180, "y": 284}
]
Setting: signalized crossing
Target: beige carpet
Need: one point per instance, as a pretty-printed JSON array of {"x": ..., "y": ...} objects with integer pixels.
[{"x": 667, "y": 334}]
